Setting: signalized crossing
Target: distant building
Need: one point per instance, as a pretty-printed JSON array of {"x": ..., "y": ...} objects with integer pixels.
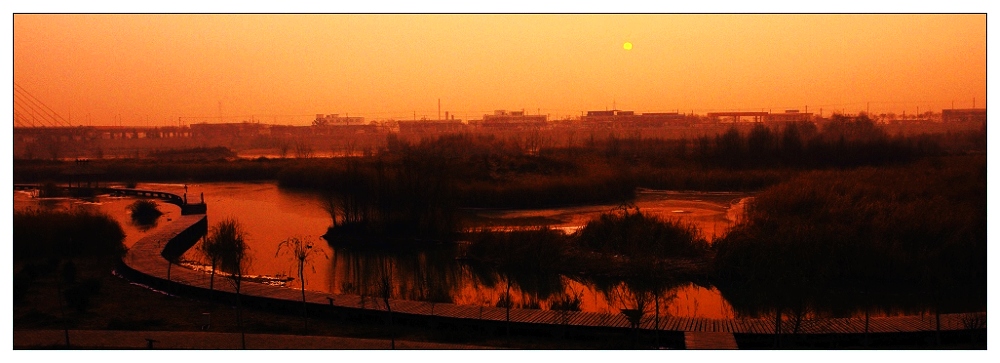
[
  {"x": 512, "y": 119},
  {"x": 964, "y": 115},
  {"x": 336, "y": 120},
  {"x": 737, "y": 116},
  {"x": 788, "y": 116},
  {"x": 430, "y": 126},
  {"x": 242, "y": 129},
  {"x": 629, "y": 119}
]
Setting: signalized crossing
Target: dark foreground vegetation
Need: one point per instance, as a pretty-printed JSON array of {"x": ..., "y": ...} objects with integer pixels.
[
  {"x": 831, "y": 242},
  {"x": 77, "y": 233},
  {"x": 54, "y": 244}
]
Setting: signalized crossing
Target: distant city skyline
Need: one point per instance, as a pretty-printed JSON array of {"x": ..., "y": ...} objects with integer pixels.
[{"x": 160, "y": 69}]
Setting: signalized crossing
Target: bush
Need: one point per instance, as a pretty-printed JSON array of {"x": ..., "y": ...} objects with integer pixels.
[
  {"x": 74, "y": 233},
  {"x": 629, "y": 232},
  {"x": 144, "y": 211}
]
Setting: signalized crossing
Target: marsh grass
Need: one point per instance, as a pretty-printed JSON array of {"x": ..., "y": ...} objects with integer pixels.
[{"x": 908, "y": 235}]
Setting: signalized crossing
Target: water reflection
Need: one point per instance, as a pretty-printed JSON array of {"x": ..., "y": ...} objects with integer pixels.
[
  {"x": 435, "y": 275},
  {"x": 429, "y": 275}
]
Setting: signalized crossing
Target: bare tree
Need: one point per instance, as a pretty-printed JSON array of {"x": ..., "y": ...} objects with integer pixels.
[
  {"x": 283, "y": 147},
  {"x": 330, "y": 203},
  {"x": 384, "y": 286},
  {"x": 303, "y": 150},
  {"x": 301, "y": 250}
]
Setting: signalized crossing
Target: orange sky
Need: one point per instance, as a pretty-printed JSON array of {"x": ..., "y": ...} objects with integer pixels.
[{"x": 152, "y": 69}]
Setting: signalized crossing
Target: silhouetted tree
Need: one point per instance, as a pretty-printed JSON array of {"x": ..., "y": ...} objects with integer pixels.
[
  {"x": 301, "y": 251},
  {"x": 384, "y": 290},
  {"x": 234, "y": 260}
]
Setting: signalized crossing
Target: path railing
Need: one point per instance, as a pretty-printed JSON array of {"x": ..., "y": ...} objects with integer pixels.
[{"x": 186, "y": 208}]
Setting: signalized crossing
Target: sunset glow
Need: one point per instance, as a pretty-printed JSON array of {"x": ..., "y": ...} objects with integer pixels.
[
  {"x": 594, "y": 182},
  {"x": 157, "y": 69}
]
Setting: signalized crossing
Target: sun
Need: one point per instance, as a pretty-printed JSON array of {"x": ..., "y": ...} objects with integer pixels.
[{"x": 627, "y": 46}]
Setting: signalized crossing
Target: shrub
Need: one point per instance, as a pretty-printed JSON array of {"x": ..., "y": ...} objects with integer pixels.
[
  {"x": 74, "y": 233},
  {"x": 144, "y": 211},
  {"x": 629, "y": 232}
]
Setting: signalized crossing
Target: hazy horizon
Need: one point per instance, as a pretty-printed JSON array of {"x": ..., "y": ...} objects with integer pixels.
[{"x": 153, "y": 69}]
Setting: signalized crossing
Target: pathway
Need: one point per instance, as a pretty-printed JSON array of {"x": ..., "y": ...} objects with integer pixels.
[
  {"x": 709, "y": 340},
  {"x": 116, "y": 339}
]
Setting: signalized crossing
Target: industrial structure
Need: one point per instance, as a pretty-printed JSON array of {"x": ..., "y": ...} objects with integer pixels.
[
  {"x": 424, "y": 126},
  {"x": 512, "y": 120},
  {"x": 964, "y": 115},
  {"x": 629, "y": 119},
  {"x": 337, "y": 120}
]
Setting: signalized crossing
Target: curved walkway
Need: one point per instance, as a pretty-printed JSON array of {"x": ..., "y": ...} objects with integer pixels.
[{"x": 115, "y": 339}]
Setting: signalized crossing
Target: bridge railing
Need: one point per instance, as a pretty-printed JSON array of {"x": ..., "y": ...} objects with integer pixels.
[{"x": 167, "y": 197}]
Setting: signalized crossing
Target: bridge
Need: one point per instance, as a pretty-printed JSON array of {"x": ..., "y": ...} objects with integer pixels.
[{"x": 186, "y": 208}]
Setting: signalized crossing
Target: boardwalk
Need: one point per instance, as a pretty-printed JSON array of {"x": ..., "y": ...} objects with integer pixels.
[
  {"x": 112, "y": 339},
  {"x": 709, "y": 340},
  {"x": 145, "y": 259}
]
